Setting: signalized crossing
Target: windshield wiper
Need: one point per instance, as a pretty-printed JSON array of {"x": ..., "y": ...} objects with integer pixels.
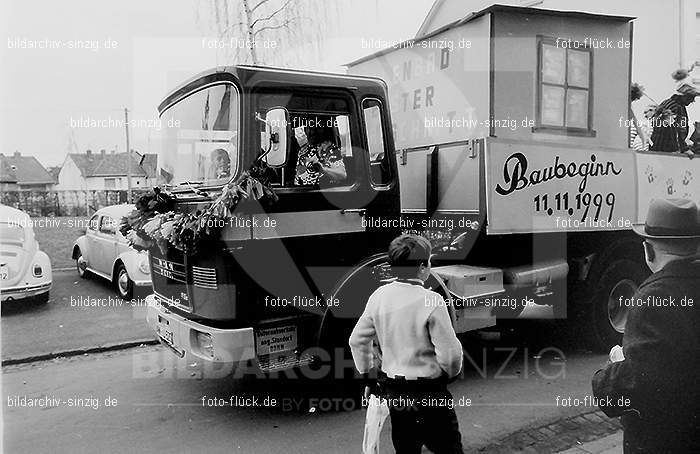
[{"x": 190, "y": 184}]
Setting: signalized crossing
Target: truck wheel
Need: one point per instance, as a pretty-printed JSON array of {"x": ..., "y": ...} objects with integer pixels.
[
  {"x": 607, "y": 316},
  {"x": 123, "y": 283},
  {"x": 353, "y": 291}
]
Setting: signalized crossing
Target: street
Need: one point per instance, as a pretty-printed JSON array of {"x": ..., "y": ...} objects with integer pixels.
[
  {"x": 59, "y": 326},
  {"x": 142, "y": 400}
]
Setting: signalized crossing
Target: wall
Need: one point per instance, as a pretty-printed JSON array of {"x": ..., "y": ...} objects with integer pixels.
[
  {"x": 439, "y": 87},
  {"x": 70, "y": 178},
  {"x": 515, "y": 85},
  {"x": 98, "y": 182}
]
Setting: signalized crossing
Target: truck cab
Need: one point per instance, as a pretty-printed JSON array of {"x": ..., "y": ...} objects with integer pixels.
[{"x": 264, "y": 289}]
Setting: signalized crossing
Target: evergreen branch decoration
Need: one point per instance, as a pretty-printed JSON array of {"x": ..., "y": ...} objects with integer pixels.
[{"x": 155, "y": 222}]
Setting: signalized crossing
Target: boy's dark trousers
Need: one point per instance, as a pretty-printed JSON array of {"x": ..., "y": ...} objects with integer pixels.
[{"x": 422, "y": 413}]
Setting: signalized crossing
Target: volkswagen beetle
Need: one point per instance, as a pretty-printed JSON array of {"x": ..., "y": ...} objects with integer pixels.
[
  {"x": 25, "y": 270},
  {"x": 103, "y": 251}
]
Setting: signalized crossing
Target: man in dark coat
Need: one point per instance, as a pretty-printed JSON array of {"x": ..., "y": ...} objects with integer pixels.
[
  {"x": 670, "y": 121},
  {"x": 652, "y": 382}
]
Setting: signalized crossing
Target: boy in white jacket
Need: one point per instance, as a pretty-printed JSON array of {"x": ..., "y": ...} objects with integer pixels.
[{"x": 411, "y": 327}]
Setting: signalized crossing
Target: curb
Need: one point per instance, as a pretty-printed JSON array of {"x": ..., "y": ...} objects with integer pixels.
[
  {"x": 556, "y": 436},
  {"x": 78, "y": 352},
  {"x": 64, "y": 269}
]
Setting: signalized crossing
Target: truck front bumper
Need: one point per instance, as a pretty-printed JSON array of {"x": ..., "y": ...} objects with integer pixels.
[{"x": 220, "y": 348}]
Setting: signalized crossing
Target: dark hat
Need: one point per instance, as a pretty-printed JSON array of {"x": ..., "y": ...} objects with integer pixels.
[
  {"x": 687, "y": 89},
  {"x": 670, "y": 219}
]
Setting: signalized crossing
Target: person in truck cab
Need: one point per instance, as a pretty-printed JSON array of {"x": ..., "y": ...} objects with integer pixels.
[
  {"x": 220, "y": 164},
  {"x": 411, "y": 328},
  {"x": 320, "y": 159}
]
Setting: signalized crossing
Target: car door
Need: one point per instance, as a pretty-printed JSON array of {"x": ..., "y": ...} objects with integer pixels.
[
  {"x": 107, "y": 244},
  {"x": 92, "y": 254}
]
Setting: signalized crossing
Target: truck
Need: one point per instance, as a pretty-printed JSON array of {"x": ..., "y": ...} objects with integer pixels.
[{"x": 502, "y": 137}]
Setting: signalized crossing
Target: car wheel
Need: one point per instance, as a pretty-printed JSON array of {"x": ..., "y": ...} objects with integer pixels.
[
  {"x": 81, "y": 265},
  {"x": 124, "y": 284}
]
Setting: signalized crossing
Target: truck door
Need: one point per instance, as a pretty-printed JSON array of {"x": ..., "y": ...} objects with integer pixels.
[{"x": 325, "y": 190}]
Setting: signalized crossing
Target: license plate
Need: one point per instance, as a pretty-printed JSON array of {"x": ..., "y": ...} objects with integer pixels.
[
  {"x": 165, "y": 334},
  {"x": 275, "y": 340},
  {"x": 4, "y": 272}
]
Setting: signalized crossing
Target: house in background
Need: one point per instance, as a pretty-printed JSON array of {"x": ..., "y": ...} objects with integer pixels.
[
  {"x": 103, "y": 170},
  {"x": 53, "y": 171},
  {"x": 23, "y": 173}
]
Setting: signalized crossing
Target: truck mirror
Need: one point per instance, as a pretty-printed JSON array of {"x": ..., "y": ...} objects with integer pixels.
[{"x": 276, "y": 136}]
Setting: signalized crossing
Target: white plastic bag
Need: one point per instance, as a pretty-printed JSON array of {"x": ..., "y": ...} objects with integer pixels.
[{"x": 377, "y": 411}]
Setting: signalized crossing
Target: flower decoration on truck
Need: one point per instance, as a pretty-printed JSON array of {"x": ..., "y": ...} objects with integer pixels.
[{"x": 155, "y": 222}]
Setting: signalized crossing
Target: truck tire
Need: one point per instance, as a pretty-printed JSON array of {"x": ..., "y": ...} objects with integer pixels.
[
  {"x": 605, "y": 316},
  {"x": 353, "y": 291}
]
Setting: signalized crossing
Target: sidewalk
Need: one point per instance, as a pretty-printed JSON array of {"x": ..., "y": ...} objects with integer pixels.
[
  {"x": 591, "y": 432},
  {"x": 612, "y": 444}
]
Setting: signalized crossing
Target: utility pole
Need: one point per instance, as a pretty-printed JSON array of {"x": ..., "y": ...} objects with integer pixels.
[{"x": 128, "y": 156}]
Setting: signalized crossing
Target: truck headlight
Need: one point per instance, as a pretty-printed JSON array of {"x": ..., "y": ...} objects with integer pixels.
[
  {"x": 38, "y": 271},
  {"x": 144, "y": 266},
  {"x": 205, "y": 343}
]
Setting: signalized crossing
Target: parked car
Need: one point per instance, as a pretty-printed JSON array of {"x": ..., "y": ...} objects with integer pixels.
[
  {"x": 103, "y": 251},
  {"x": 25, "y": 270}
]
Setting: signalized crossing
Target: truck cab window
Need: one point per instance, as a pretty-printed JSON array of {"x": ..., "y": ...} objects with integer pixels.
[
  {"x": 322, "y": 131},
  {"x": 200, "y": 144},
  {"x": 376, "y": 147}
]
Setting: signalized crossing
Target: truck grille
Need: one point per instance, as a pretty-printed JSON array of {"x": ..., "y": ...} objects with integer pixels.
[
  {"x": 204, "y": 277},
  {"x": 170, "y": 281}
]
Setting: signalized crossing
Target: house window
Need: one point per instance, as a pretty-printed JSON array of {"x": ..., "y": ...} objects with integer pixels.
[
  {"x": 564, "y": 87},
  {"x": 110, "y": 183}
]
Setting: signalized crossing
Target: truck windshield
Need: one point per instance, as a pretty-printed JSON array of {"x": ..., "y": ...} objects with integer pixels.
[{"x": 200, "y": 144}]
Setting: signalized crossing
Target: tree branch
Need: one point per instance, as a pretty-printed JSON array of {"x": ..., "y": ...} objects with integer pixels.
[
  {"x": 231, "y": 27},
  {"x": 274, "y": 27},
  {"x": 259, "y": 5},
  {"x": 271, "y": 15}
]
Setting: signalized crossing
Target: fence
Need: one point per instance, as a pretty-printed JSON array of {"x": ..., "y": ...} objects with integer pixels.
[{"x": 64, "y": 203}]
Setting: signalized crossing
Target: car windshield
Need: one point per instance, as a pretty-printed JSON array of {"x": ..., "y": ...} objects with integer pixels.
[
  {"x": 11, "y": 234},
  {"x": 200, "y": 145}
]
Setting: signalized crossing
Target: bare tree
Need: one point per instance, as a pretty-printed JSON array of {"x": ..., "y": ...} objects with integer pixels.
[{"x": 271, "y": 32}]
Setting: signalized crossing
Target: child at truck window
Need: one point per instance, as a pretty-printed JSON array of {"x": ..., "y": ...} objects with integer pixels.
[{"x": 420, "y": 352}]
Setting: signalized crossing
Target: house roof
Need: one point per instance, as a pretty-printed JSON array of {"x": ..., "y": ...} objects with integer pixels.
[
  {"x": 113, "y": 164},
  {"x": 54, "y": 171},
  {"x": 424, "y": 30},
  {"x": 23, "y": 170},
  {"x": 423, "y": 34},
  {"x": 7, "y": 173}
]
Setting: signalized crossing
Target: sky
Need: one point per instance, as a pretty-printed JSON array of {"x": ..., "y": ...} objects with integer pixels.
[{"x": 108, "y": 56}]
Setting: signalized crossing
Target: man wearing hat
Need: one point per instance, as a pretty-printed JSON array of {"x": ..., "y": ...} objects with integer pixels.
[
  {"x": 652, "y": 381},
  {"x": 670, "y": 133}
]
